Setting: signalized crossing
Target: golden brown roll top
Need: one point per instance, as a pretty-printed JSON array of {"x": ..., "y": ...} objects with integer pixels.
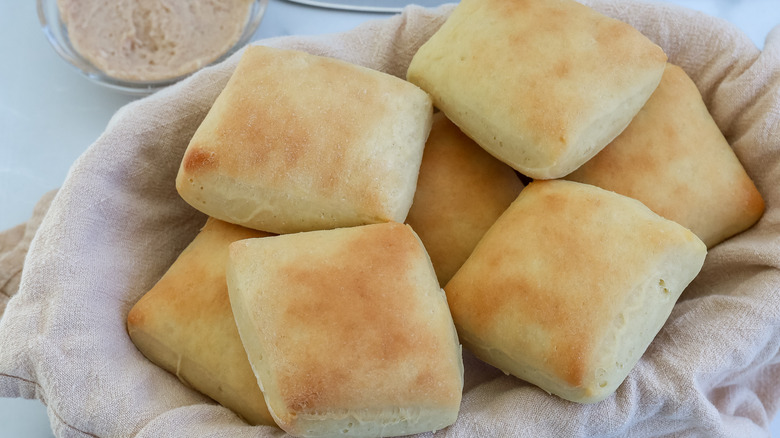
[
  {"x": 461, "y": 191},
  {"x": 543, "y": 85},
  {"x": 185, "y": 324},
  {"x": 570, "y": 285},
  {"x": 674, "y": 158},
  {"x": 348, "y": 331},
  {"x": 298, "y": 142}
]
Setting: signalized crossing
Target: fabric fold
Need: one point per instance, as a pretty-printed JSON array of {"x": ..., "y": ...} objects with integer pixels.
[{"x": 14, "y": 244}]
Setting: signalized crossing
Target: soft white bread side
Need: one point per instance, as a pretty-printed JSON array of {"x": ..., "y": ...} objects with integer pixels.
[
  {"x": 543, "y": 85},
  {"x": 674, "y": 159},
  {"x": 569, "y": 287},
  {"x": 185, "y": 325},
  {"x": 298, "y": 142},
  {"x": 461, "y": 191},
  {"x": 347, "y": 331}
]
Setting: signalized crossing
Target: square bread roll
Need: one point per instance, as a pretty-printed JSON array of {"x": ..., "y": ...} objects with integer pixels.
[
  {"x": 348, "y": 331},
  {"x": 461, "y": 191},
  {"x": 674, "y": 159},
  {"x": 569, "y": 287},
  {"x": 298, "y": 142},
  {"x": 543, "y": 85},
  {"x": 185, "y": 324}
]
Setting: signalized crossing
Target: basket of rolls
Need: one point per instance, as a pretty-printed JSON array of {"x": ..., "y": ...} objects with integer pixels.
[{"x": 493, "y": 218}]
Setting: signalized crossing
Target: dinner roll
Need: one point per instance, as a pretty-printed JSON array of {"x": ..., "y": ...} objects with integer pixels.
[
  {"x": 185, "y": 325},
  {"x": 570, "y": 285},
  {"x": 298, "y": 142},
  {"x": 543, "y": 85},
  {"x": 348, "y": 331},
  {"x": 674, "y": 159},
  {"x": 461, "y": 191}
]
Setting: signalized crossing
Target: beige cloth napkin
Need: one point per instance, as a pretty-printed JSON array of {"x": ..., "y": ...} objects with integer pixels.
[
  {"x": 14, "y": 244},
  {"x": 117, "y": 223}
]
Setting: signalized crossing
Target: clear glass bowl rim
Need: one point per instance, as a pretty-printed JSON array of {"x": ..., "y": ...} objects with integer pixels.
[{"x": 57, "y": 34}]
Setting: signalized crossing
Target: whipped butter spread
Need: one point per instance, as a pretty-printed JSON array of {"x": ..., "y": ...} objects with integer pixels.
[{"x": 151, "y": 40}]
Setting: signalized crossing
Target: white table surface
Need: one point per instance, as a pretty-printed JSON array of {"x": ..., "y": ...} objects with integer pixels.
[{"x": 49, "y": 114}]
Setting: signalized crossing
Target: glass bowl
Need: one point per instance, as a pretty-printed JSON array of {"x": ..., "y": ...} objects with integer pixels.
[{"x": 57, "y": 34}]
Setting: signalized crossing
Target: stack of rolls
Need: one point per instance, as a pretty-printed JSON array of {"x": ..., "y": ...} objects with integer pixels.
[{"x": 362, "y": 226}]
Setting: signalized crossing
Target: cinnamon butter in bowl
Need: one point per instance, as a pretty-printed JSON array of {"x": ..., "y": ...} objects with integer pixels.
[{"x": 141, "y": 46}]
